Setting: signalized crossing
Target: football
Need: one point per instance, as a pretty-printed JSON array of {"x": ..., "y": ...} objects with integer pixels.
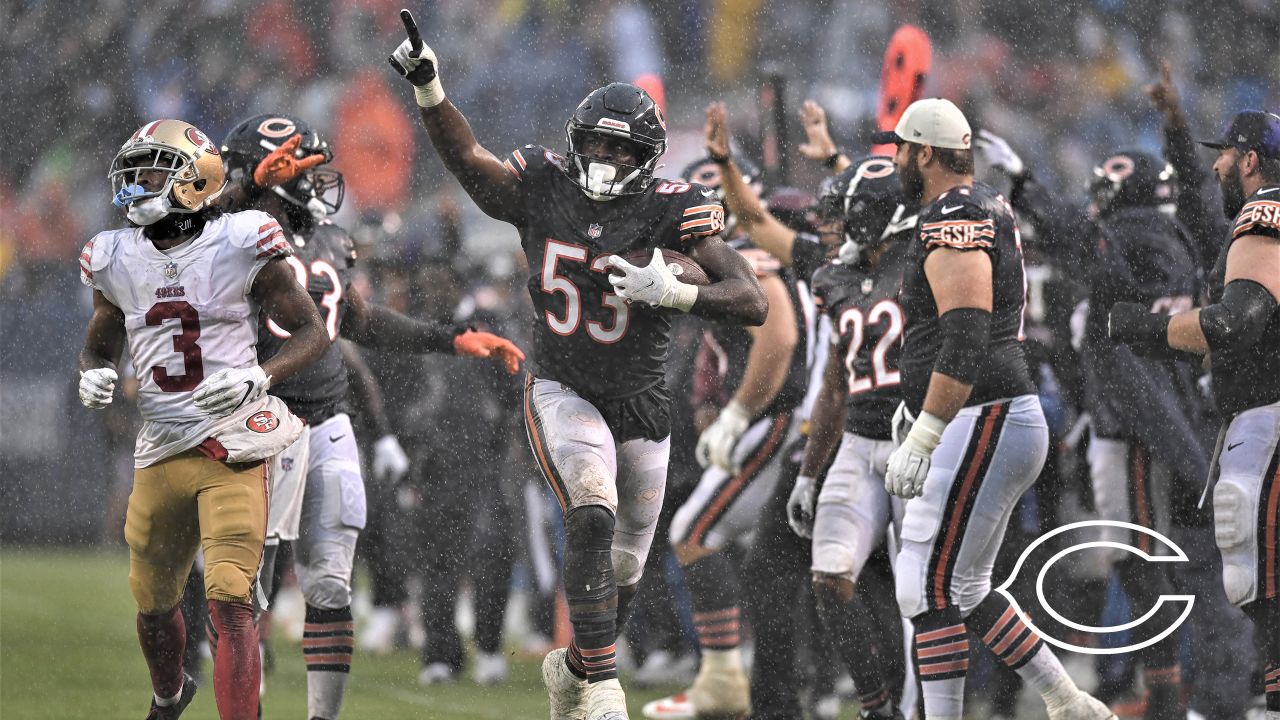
[{"x": 682, "y": 266}]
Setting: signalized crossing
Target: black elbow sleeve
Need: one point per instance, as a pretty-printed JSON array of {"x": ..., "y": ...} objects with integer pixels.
[
  {"x": 1239, "y": 319},
  {"x": 965, "y": 334}
]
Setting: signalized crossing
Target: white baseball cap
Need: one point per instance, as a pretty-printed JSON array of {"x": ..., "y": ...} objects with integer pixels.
[{"x": 931, "y": 121}]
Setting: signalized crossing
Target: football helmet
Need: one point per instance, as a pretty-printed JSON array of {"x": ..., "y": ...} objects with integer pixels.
[
  {"x": 189, "y": 161},
  {"x": 616, "y": 110},
  {"x": 1129, "y": 178},
  {"x": 866, "y": 200},
  {"x": 319, "y": 190},
  {"x": 705, "y": 171},
  {"x": 793, "y": 207}
]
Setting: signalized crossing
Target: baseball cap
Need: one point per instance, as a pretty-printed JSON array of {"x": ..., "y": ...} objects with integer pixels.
[
  {"x": 931, "y": 121},
  {"x": 1251, "y": 130}
]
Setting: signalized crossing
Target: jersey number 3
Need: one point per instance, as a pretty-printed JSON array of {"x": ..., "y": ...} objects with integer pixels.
[
  {"x": 183, "y": 342},
  {"x": 853, "y": 323},
  {"x": 553, "y": 282}
]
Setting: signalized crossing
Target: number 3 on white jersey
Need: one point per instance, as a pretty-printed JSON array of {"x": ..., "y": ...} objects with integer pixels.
[{"x": 328, "y": 301}]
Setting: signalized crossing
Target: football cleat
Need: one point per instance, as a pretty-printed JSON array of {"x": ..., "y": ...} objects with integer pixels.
[
  {"x": 1081, "y": 707},
  {"x": 565, "y": 691},
  {"x": 606, "y": 701},
  {"x": 490, "y": 669},
  {"x": 722, "y": 694},
  {"x": 436, "y": 674},
  {"x": 173, "y": 712}
]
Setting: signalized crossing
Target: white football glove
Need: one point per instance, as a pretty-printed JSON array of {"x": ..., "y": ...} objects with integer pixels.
[
  {"x": 653, "y": 283},
  {"x": 715, "y": 445},
  {"x": 909, "y": 463},
  {"x": 225, "y": 391},
  {"x": 997, "y": 154},
  {"x": 389, "y": 460},
  {"x": 96, "y": 387},
  {"x": 419, "y": 68},
  {"x": 801, "y": 506}
]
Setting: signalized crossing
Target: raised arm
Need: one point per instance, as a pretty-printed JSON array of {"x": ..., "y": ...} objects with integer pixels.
[
  {"x": 490, "y": 185},
  {"x": 765, "y": 230}
]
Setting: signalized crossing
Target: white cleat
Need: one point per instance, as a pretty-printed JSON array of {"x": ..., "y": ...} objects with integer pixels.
[
  {"x": 1081, "y": 707},
  {"x": 565, "y": 692},
  {"x": 720, "y": 693},
  {"x": 436, "y": 674},
  {"x": 606, "y": 701},
  {"x": 378, "y": 637},
  {"x": 489, "y": 669}
]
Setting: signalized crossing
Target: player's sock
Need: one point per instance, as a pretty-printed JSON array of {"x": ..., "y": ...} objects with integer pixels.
[
  {"x": 163, "y": 638},
  {"x": 852, "y": 631},
  {"x": 267, "y": 572},
  {"x": 237, "y": 667},
  {"x": 327, "y": 641},
  {"x": 941, "y": 656},
  {"x": 713, "y": 586},
  {"x": 1021, "y": 648},
  {"x": 591, "y": 592}
]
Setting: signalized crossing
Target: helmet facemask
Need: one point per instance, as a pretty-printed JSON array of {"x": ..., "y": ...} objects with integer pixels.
[
  {"x": 605, "y": 180},
  {"x": 320, "y": 190},
  {"x": 142, "y": 206}
]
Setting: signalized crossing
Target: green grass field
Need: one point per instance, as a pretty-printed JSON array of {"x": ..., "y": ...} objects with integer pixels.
[{"x": 68, "y": 650}]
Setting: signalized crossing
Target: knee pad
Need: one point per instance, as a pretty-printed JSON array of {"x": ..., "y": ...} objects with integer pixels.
[
  {"x": 908, "y": 584},
  {"x": 1235, "y": 530},
  {"x": 154, "y": 597},
  {"x": 227, "y": 582},
  {"x": 588, "y": 565},
  {"x": 327, "y": 592},
  {"x": 589, "y": 482}
]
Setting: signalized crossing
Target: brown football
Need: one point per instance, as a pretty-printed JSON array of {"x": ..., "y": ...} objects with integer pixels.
[{"x": 682, "y": 266}]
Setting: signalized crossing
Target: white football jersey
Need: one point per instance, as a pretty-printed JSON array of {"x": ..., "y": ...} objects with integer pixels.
[{"x": 188, "y": 311}]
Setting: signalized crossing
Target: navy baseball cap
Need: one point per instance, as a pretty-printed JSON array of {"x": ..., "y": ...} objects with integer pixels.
[{"x": 1251, "y": 130}]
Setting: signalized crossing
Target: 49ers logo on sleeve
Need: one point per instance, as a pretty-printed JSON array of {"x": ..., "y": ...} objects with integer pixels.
[
  {"x": 199, "y": 139},
  {"x": 262, "y": 422}
]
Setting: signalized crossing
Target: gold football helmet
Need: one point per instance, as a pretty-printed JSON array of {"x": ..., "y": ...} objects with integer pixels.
[{"x": 191, "y": 162}]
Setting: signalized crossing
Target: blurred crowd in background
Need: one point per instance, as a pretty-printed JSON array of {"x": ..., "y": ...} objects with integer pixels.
[{"x": 1061, "y": 81}]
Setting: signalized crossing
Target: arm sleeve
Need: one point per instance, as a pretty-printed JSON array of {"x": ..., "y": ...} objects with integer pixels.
[
  {"x": 1199, "y": 198},
  {"x": 1061, "y": 228}
]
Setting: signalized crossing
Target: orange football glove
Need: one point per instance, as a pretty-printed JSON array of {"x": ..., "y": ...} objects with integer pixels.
[
  {"x": 281, "y": 166},
  {"x": 483, "y": 344}
]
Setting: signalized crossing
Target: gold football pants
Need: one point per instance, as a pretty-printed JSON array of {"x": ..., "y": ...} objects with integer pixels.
[{"x": 188, "y": 501}]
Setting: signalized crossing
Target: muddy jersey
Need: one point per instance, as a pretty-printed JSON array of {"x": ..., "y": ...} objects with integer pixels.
[
  {"x": 1249, "y": 377},
  {"x": 867, "y": 328},
  {"x": 584, "y": 335},
  {"x": 323, "y": 261},
  {"x": 971, "y": 219},
  {"x": 732, "y": 343}
]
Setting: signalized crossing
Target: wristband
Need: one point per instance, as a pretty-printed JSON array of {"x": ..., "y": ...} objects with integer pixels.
[
  {"x": 429, "y": 95},
  {"x": 685, "y": 296},
  {"x": 831, "y": 161},
  {"x": 720, "y": 159},
  {"x": 926, "y": 432}
]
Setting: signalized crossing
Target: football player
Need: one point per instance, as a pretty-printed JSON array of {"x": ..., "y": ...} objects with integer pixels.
[
  {"x": 1239, "y": 334},
  {"x": 849, "y": 517},
  {"x": 764, "y": 374},
  {"x": 970, "y": 431},
  {"x": 278, "y": 163},
  {"x": 596, "y": 405},
  {"x": 1145, "y": 451},
  {"x": 182, "y": 288}
]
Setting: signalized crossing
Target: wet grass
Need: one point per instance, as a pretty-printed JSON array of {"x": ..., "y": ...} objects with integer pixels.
[{"x": 68, "y": 650}]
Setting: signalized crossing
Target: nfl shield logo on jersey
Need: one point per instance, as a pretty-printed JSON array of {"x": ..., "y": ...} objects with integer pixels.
[
  {"x": 594, "y": 231},
  {"x": 171, "y": 270}
]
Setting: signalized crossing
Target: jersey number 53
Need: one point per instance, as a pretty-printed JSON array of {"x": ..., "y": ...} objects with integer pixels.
[{"x": 553, "y": 282}]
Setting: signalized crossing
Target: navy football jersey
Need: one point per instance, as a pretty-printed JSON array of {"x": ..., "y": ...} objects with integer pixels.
[
  {"x": 808, "y": 254},
  {"x": 867, "y": 330},
  {"x": 584, "y": 335},
  {"x": 1248, "y": 378},
  {"x": 973, "y": 219},
  {"x": 322, "y": 261},
  {"x": 733, "y": 342}
]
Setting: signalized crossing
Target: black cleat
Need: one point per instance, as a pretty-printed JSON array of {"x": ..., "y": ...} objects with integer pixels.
[{"x": 173, "y": 712}]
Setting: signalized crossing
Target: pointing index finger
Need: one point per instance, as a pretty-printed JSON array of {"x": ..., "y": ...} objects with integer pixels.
[{"x": 411, "y": 27}]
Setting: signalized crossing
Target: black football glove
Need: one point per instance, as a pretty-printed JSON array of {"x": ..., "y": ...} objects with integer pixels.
[{"x": 416, "y": 62}]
